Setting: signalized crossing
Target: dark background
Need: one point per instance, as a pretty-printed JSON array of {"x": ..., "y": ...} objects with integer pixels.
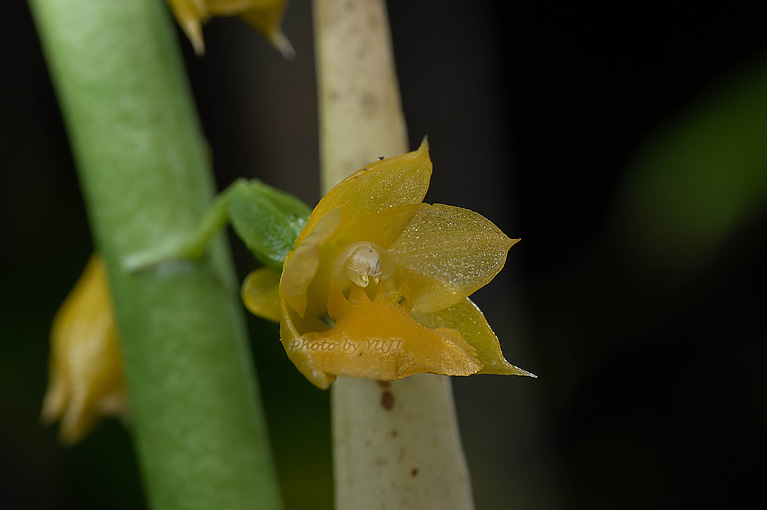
[{"x": 625, "y": 144}]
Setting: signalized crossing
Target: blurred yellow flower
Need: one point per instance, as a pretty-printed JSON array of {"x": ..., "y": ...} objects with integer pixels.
[
  {"x": 86, "y": 373},
  {"x": 378, "y": 283},
  {"x": 263, "y": 15}
]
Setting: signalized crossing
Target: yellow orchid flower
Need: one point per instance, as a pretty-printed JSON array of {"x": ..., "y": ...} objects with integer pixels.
[
  {"x": 263, "y": 15},
  {"x": 377, "y": 285},
  {"x": 86, "y": 371}
]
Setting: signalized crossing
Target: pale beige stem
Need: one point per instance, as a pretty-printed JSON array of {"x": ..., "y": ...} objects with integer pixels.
[
  {"x": 395, "y": 445},
  {"x": 360, "y": 112}
]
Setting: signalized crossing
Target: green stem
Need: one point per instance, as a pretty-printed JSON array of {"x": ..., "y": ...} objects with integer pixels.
[
  {"x": 192, "y": 247},
  {"x": 395, "y": 444},
  {"x": 199, "y": 431}
]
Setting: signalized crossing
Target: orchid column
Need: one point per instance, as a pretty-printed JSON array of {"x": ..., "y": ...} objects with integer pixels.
[{"x": 396, "y": 445}]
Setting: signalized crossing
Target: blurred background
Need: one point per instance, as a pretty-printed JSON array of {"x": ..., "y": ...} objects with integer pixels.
[{"x": 626, "y": 145}]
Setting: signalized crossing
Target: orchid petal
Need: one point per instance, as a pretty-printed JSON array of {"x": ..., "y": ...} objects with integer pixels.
[
  {"x": 263, "y": 15},
  {"x": 289, "y": 335},
  {"x": 191, "y": 15},
  {"x": 470, "y": 322},
  {"x": 447, "y": 253},
  {"x": 382, "y": 228},
  {"x": 301, "y": 266},
  {"x": 86, "y": 373},
  {"x": 260, "y": 293},
  {"x": 378, "y": 340},
  {"x": 391, "y": 182},
  {"x": 267, "y": 19}
]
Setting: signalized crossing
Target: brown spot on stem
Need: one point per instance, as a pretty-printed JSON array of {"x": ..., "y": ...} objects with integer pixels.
[
  {"x": 387, "y": 400},
  {"x": 394, "y": 433},
  {"x": 414, "y": 472},
  {"x": 369, "y": 104}
]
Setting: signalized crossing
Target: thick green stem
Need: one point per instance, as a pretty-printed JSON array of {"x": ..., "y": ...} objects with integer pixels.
[
  {"x": 396, "y": 445},
  {"x": 199, "y": 430}
]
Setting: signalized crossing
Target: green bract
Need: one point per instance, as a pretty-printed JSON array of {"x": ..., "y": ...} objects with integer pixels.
[{"x": 266, "y": 219}]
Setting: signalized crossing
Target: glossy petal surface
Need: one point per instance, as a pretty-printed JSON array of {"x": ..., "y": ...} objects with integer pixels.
[
  {"x": 447, "y": 253},
  {"x": 304, "y": 262},
  {"x": 382, "y": 228},
  {"x": 289, "y": 333},
  {"x": 392, "y": 182},
  {"x": 470, "y": 322},
  {"x": 260, "y": 293},
  {"x": 388, "y": 342}
]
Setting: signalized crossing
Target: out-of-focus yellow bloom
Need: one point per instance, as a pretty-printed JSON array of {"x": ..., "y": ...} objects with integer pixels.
[
  {"x": 378, "y": 283},
  {"x": 263, "y": 15},
  {"x": 261, "y": 295},
  {"x": 86, "y": 373}
]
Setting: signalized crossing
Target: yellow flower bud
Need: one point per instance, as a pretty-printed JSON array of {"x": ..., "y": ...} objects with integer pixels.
[
  {"x": 263, "y": 15},
  {"x": 86, "y": 374}
]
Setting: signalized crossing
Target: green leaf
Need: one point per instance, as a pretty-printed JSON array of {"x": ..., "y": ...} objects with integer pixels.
[{"x": 266, "y": 219}]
